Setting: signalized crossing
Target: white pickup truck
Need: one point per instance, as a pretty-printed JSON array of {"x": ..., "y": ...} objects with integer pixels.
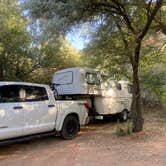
[{"x": 28, "y": 109}]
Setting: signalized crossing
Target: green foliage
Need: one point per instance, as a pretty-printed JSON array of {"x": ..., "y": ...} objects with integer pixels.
[
  {"x": 107, "y": 51},
  {"x": 117, "y": 25},
  {"x": 14, "y": 42},
  {"x": 125, "y": 129},
  {"x": 52, "y": 58},
  {"x": 120, "y": 132},
  {"x": 152, "y": 65},
  {"x": 160, "y": 20},
  {"x": 37, "y": 54},
  {"x": 30, "y": 56}
]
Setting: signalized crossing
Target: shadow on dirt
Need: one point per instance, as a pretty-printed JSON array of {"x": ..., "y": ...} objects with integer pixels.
[{"x": 23, "y": 146}]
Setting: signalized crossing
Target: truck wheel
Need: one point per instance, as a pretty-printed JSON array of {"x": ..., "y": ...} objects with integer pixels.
[
  {"x": 70, "y": 128},
  {"x": 123, "y": 116}
]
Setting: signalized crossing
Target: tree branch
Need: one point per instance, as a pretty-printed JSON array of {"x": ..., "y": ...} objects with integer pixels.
[
  {"x": 123, "y": 13},
  {"x": 150, "y": 18},
  {"x": 125, "y": 44},
  {"x": 148, "y": 8}
]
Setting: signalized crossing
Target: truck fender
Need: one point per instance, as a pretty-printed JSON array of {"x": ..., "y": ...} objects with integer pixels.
[{"x": 61, "y": 118}]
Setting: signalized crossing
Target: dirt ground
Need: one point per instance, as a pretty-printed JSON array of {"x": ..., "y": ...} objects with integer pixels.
[{"x": 96, "y": 145}]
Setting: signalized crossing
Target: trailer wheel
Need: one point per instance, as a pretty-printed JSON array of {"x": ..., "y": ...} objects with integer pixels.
[
  {"x": 70, "y": 127},
  {"x": 123, "y": 116}
]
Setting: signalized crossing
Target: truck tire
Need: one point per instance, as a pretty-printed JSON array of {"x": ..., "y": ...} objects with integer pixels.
[
  {"x": 123, "y": 116},
  {"x": 70, "y": 127}
]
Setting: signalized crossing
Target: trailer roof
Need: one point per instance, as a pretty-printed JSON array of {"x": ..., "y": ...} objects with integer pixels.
[{"x": 77, "y": 69}]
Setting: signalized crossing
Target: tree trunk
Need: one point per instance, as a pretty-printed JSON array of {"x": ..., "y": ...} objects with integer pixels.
[{"x": 136, "y": 107}]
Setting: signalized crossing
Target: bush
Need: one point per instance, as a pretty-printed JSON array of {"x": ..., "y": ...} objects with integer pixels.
[{"x": 124, "y": 129}]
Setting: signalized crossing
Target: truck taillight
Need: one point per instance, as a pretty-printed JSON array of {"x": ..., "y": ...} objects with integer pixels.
[{"x": 87, "y": 106}]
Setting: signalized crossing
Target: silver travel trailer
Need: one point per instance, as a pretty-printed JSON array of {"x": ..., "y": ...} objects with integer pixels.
[{"x": 105, "y": 96}]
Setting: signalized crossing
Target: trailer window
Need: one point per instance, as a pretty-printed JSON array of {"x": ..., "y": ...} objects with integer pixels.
[
  {"x": 64, "y": 78},
  {"x": 118, "y": 86},
  {"x": 130, "y": 88},
  {"x": 92, "y": 78}
]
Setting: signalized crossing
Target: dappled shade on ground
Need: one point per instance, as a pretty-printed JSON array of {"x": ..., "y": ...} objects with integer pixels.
[{"x": 96, "y": 144}]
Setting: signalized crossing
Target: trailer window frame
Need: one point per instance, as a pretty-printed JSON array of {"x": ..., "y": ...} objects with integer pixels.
[
  {"x": 130, "y": 88},
  {"x": 118, "y": 86},
  {"x": 64, "y": 73},
  {"x": 96, "y": 80}
]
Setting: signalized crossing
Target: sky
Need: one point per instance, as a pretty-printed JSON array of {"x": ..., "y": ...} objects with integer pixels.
[
  {"x": 79, "y": 36},
  {"x": 77, "y": 39}
]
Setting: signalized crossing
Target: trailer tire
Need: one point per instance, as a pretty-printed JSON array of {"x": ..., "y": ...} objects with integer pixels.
[
  {"x": 123, "y": 116},
  {"x": 70, "y": 127}
]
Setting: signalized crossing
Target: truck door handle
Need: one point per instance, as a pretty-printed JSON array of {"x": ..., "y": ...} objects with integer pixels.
[
  {"x": 51, "y": 106},
  {"x": 18, "y": 107}
]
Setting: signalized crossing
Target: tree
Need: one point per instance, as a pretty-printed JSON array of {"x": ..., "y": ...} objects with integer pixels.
[
  {"x": 160, "y": 20},
  {"x": 52, "y": 57},
  {"x": 106, "y": 51},
  {"x": 152, "y": 65},
  {"x": 14, "y": 42},
  {"x": 132, "y": 18},
  {"x": 26, "y": 51}
]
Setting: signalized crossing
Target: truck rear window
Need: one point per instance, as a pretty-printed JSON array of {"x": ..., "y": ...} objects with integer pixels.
[
  {"x": 9, "y": 93},
  {"x": 35, "y": 93},
  {"x": 22, "y": 93}
]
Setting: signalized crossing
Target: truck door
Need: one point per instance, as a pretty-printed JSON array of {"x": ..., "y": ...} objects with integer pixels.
[
  {"x": 39, "y": 112},
  {"x": 11, "y": 112}
]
